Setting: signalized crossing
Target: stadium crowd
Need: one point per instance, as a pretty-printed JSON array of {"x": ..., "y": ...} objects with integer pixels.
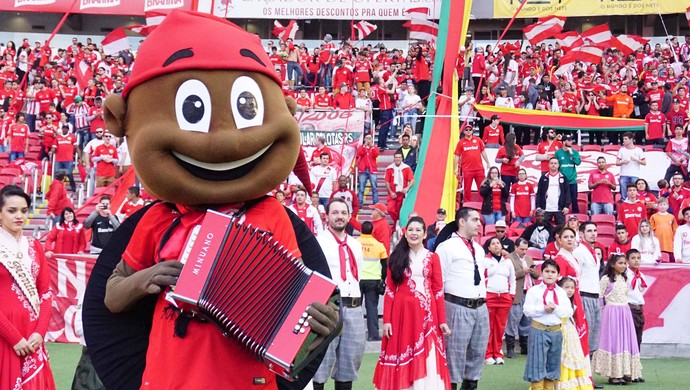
[{"x": 519, "y": 221}]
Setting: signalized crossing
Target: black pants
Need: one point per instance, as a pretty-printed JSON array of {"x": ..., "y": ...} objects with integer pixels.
[
  {"x": 371, "y": 305},
  {"x": 556, "y": 215},
  {"x": 672, "y": 170},
  {"x": 85, "y": 377},
  {"x": 638, "y": 320}
]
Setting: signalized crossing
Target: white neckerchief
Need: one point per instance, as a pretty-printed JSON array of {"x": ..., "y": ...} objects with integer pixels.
[{"x": 398, "y": 178}]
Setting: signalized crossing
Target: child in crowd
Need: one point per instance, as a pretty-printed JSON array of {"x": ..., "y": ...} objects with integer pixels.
[
  {"x": 618, "y": 356},
  {"x": 575, "y": 369},
  {"x": 664, "y": 226},
  {"x": 636, "y": 286},
  {"x": 547, "y": 305},
  {"x": 621, "y": 244},
  {"x": 663, "y": 188},
  {"x": 522, "y": 198},
  {"x": 599, "y": 253}
]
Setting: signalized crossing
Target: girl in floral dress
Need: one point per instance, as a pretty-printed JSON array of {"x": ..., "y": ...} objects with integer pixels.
[{"x": 575, "y": 368}]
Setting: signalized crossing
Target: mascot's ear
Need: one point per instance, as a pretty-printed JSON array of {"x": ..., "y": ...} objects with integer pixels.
[
  {"x": 114, "y": 112},
  {"x": 291, "y": 105}
]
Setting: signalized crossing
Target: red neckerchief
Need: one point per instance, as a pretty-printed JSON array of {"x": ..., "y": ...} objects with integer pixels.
[
  {"x": 552, "y": 289},
  {"x": 342, "y": 247},
  {"x": 638, "y": 276},
  {"x": 591, "y": 250}
]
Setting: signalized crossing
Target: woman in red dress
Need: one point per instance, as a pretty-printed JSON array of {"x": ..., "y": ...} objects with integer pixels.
[
  {"x": 67, "y": 236},
  {"x": 413, "y": 351},
  {"x": 26, "y": 299}
]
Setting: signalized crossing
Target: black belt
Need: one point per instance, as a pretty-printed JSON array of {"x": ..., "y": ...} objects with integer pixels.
[
  {"x": 635, "y": 307},
  {"x": 351, "y": 302},
  {"x": 589, "y": 295},
  {"x": 468, "y": 303}
]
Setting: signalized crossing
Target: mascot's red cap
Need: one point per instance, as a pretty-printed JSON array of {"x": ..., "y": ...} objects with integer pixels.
[{"x": 187, "y": 40}]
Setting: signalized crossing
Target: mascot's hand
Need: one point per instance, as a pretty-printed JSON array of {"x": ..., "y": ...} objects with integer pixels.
[
  {"x": 324, "y": 321},
  {"x": 161, "y": 275}
]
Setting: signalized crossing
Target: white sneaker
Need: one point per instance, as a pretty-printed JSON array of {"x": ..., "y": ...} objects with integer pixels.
[
  {"x": 490, "y": 361},
  {"x": 500, "y": 361}
]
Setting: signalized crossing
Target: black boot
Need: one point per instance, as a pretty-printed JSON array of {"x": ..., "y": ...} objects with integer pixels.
[
  {"x": 343, "y": 385},
  {"x": 453, "y": 386},
  {"x": 465, "y": 385},
  {"x": 510, "y": 346},
  {"x": 472, "y": 385},
  {"x": 523, "y": 345},
  {"x": 317, "y": 386}
]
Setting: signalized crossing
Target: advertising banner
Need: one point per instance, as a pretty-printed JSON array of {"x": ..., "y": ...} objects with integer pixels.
[
  {"x": 101, "y": 7},
  {"x": 667, "y": 314},
  {"x": 539, "y": 8},
  {"x": 342, "y": 131}
]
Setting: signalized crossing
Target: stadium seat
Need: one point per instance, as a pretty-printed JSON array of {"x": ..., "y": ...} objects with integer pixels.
[
  {"x": 530, "y": 147},
  {"x": 581, "y": 217},
  {"x": 665, "y": 258},
  {"x": 484, "y": 239},
  {"x": 605, "y": 241},
  {"x": 535, "y": 254},
  {"x": 606, "y": 231},
  {"x": 473, "y": 204},
  {"x": 604, "y": 220},
  {"x": 591, "y": 148},
  {"x": 576, "y": 147},
  {"x": 490, "y": 229},
  {"x": 611, "y": 148}
]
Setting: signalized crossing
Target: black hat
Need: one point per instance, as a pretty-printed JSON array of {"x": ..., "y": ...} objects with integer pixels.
[
  {"x": 441, "y": 211},
  {"x": 494, "y": 117},
  {"x": 567, "y": 137}
]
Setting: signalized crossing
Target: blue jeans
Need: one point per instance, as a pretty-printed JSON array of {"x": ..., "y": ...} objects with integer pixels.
[
  {"x": 371, "y": 178},
  {"x": 31, "y": 122},
  {"x": 84, "y": 135},
  {"x": 624, "y": 181},
  {"x": 491, "y": 219},
  {"x": 573, "y": 199},
  {"x": 326, "y": 74},
  {"x": 293, "y": 67},
  {"x": 386, "y": 116},
  {"x": 67, "y": 167},
  {"x": 411, "y": 118},
  {"x": 523, "y": 219},
  {"x": 16, "y": 155},
  {"x": 602, "y": 208}
]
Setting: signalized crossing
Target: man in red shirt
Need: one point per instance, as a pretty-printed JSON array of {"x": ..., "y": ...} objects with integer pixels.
[
  {"x": 132, "y": 205},
  {"x": 323, "y": 101},
  {"x": 95, "y": 118},
  {"x": 64, "y": 150},
  {"x": 676, "y": 116},
  {"x": 44, "y": 96},
  {"x": 362, "y": 71},
  {"x": 47, "y": 134},
  {"x": 105, "y": 157},
  {"x": 621, "y": 244},
  {"x": 493, "y": 133},
  {"x": 631, "y": 211},
  {"x": 367, "y": 154},
  {"x": 343, "y": 100},
  {"x": 655, "y": 94},
  {"x": 303, "y": 101},
  {"x": 469, "y": 153},
  {"x": 320, "y": 148},
  {"x": 654, "y": 124},
  {"x": 309, "y": 214},
  {"x": 602, "y": 183},
  {"x": 677, "y": 194},
  {"x": 385, "y": 91},
  {"x": 341, "y": 75},
  {"x": 399, "y": 180},
  {"x": 18, "y": 138},
  {"x": 547, "y": 149}
]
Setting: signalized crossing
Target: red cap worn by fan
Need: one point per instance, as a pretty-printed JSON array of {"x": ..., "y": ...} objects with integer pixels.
[{"x": 172, "y": 48}]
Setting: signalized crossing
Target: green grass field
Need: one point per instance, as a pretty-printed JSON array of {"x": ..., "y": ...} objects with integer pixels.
[{"x": 666, "y": 374}]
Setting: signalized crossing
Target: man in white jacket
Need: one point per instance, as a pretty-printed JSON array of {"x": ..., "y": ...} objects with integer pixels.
[{"x": 681, "y": 241}]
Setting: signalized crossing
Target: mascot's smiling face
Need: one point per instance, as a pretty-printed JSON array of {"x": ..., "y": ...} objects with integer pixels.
[{"x": 203, "y": 134}]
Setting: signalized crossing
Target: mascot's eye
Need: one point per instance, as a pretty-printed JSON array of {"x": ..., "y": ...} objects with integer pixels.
[
  {"x": 193, "y": 106},
  {"x": 247, "y": 103}
]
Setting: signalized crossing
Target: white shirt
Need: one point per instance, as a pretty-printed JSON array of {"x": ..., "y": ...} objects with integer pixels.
[
  {"x": 328, "y": 173},
  {"x": 458, "y": 268},
  {"x": 534, "y": 305},
  {"x": 504, "y": 102},
  {"x": 501, "y": 275},
  {"x": 681, "y": 244},
  {"x": 635, "y": 296},
  {"x": 348, "y": 288},
  {"x": 552, "y": 193},
  {"x": 632, "y": 168},
  {"x": 589, "y": 276},
  {"x": 311, "y": 213},
  {"x": 651, "y": 252}
]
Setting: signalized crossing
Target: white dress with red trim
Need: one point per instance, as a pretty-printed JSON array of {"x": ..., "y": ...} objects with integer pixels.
[{"x": 414, "y": 357}]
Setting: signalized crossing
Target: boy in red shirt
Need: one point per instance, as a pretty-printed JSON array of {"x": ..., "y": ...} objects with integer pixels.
[
  {"x": 105, "y": 157},
  {"x": 522, "y": 198},
  {"x": 493, "y": 133},
  {"x": 132, "y": 205},
  {"x": 654, "y": 124},
  {"x": 631, "y": 211},
  {"x": 64, "y": 149},
  {"x": 621, "y": 244},
  {"x": 18, "y": 138}
]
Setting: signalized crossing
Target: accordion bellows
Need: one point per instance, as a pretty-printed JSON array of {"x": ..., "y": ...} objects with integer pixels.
[{"x": 250, "y": 285}]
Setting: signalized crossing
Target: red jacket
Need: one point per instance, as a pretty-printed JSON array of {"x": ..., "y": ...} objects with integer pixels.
[
  {"x": 69, "y": 239},
  {"x": 366, "y": 158},
  {"x": 57, "y": 198}
]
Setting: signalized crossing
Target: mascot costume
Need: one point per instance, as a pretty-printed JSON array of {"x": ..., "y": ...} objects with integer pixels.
[{"x": 207, "y": 127}]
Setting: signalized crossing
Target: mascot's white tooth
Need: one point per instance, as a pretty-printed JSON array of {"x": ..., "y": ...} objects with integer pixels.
[{"x": 222, "y": 166}]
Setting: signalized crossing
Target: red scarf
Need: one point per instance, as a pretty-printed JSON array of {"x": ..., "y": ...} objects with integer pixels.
[
  {"x": 552, "y": 289},
  {"x": 590, "y": 248},
  {"x": 342, "y": 247},
  {"x": 638, "y": 276}
]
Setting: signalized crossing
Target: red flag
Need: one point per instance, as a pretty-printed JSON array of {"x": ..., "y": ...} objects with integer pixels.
[
  {"x": 627, "y": 43},
  {"x": 600, "y": 34},
  {"x": 589, "y": 53},
  {"x": 153, "y": 19},
  {"x": 687, "y": 15},
  {"x": 83, "y": 73},
  {"x": 363, "y": 29},
  {"x": 422, "y": 30},
  {"x": 569, "y": 40},
  {"x": 417, "y": 13},
  {"x": 115, "y": 42},
  {"x": 544, "y": 28},
  {"x": 283, "y": 33}
]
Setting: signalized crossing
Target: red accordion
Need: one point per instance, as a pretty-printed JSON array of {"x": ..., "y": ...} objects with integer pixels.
[{"x": 247, "y": 283}]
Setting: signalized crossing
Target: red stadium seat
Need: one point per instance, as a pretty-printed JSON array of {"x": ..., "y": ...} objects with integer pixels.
[
  {"x": 606, "y": 231},
  {"x": 530, "y": 147},
  {"x": 576, "y": 147},
  {"x": 581, "y": 217},
  {"x": 604, "y": 220},
  {"x": 605, "y": 241},
  {"x": 474, "y": 205},
  {"x": 535, "y": 254},
  {"x": 490, "y": 230},
  {"x": 665, "y": 258},
  {"x": 611, "y": 148},
  {"x": 591, "y": 148}
]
